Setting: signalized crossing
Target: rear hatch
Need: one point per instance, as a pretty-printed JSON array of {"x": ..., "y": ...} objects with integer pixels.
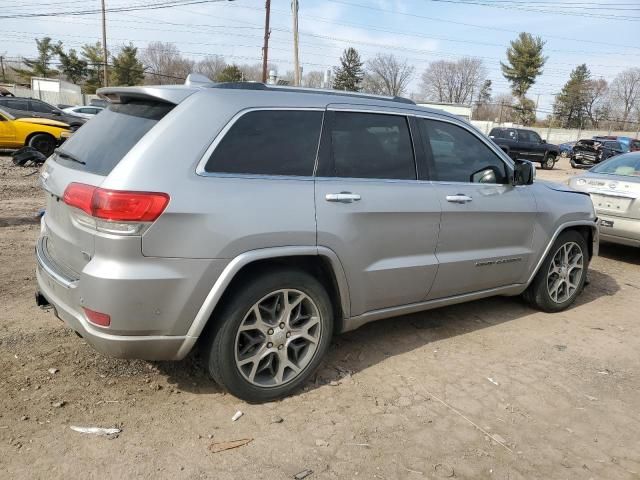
[{"x": 87, "y": 158}]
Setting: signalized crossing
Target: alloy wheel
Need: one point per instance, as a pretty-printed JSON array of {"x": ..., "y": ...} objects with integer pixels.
[
  {"x": 565, "y": 272},
  {"x": 278, "y": 338}
]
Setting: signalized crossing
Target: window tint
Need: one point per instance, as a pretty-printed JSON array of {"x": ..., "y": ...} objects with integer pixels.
[
  {"x": 41, "y": 107},
  {"x": 269, "y": 142},
  {"x": 371, "y": 145},
  {"x": 524, "y": 136},
  {"x": 534, "y": 137},
  {"x": 106, "y": 139},
  {"x": 457, "y": 154},
  {"x": 506, "y": 133},
  {"x": 16, "y": 103}
]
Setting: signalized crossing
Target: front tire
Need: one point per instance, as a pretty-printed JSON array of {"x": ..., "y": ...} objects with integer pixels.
[
  {"x": 562, "y": 274},
  {"x": 272, "y": 335}
]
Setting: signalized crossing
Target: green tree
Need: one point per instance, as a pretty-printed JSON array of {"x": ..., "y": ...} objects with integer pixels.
[
  {"x": 524, "y": 65},
  {"x": 93, "y": 55},
  {"x": 349, "y": 75},
  {"x": 126, "y": 68},
  {"x": 230, "y": 73},
  {"x": 73, "y": 67},
  {"x": 572, "y": 103},
  {"x": 39, "y": 67}
]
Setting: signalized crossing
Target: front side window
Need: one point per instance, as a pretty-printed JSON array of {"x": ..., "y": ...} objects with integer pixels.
[
  {"x": 534, "y": 137},
  {"x": 459, "y": 156},
  {"x": 269, "y": 142},
  {"x": 371, "y": 145},
  {"x": 41, "y": 107}
]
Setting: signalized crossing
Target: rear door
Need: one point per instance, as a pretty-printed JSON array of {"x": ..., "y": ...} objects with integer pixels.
[
  {"x": 371, "y": 209},
  {"x": 88, "y": 157},
  {"x": 527, "y": 147},
  {"x": 487, "y": 224}
]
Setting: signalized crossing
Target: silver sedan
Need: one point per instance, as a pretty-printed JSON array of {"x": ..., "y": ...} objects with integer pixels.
[{"x": 614, "y": 186}]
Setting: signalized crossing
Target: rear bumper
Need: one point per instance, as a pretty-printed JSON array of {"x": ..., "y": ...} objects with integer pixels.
[
  {"x": 157, "y": 347},
  {"x": 152, "y": 302},
  {"x": 625, "y": 231}
]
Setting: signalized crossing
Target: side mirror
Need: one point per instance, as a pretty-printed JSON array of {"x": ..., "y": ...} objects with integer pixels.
[
  {"x": 543, "y": 141},
  {"x": 55, "y": 112},
  {"x": 524, "y": 172}
]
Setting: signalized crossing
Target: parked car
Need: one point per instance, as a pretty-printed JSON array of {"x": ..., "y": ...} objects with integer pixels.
[
  {"x": 98, "y": 102},
  {"x": 283, "y": 216},
  {"x": 30, "y": 107},
  {"x": 565, "y": 149},
  {"x": 629, "y": 144},
  {"x": 614, "y": 186},
  {"x": 586, "y": 153},
  {"x": 84, "y": 111},
  {"x": 40, "y": 133},
  {"x": 523, "y": 144}
]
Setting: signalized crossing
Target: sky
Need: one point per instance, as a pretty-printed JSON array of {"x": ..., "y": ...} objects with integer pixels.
[{"x": 602, "y": 34}]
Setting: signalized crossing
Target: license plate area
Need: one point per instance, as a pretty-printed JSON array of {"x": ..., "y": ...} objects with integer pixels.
[{"x": 612, "y": 204}]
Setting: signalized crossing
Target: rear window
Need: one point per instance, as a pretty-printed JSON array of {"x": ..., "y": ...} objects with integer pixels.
[{"x": 101, "y": 143}]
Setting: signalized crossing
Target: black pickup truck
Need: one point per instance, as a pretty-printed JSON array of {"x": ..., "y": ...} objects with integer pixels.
[{"x": 526, "y": 145}]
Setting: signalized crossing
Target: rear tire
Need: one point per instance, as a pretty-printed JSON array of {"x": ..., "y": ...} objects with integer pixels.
[
  {"x": 562, "y": 274},
  {"x": 549, "y": 162},
  {"x": 573, "y": 163},
  {"x": 270, "y": 336},
  {"x": 44, "y": 143}
]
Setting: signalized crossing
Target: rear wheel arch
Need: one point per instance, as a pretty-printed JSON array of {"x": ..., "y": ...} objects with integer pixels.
[
  {"x": 321, "y": 266},
  {"x": 33, "y": 134}
]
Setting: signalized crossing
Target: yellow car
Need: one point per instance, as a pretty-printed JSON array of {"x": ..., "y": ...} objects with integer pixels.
[{"x": 40, "y": 133}]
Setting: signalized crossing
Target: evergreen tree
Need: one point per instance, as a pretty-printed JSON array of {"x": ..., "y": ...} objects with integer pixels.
[
  {"x": 93, "y": 55},
  {"x": 349, "y": 75},
  {"x": 230, "y": 73},
  {"x": 524, "y": 65},
  {"x": 39, "y": 67},
  {"x": 73, "y": 67},
  {"x": 126, "y": 68},
  {"x": 573, "y": 101},
  {"x": 484, "y": 96}
]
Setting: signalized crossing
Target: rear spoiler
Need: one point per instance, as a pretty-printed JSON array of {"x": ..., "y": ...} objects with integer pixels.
[{"x": 173, "y": 94}]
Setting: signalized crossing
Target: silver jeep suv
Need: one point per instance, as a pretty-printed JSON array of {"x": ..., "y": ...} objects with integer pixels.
[{"x": 259, "y": 221}]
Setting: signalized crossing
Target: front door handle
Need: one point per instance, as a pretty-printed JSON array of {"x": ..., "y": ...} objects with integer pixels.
[
  {"x": 342, "y": 197},
  {"x": 459, "y": 198}
]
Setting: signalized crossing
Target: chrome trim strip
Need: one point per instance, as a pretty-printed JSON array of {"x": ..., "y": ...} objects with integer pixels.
[
  {"x": 49, "y": 265},
  {"x": 356, "y": 322},
  {"x": 200, "y": 168}
]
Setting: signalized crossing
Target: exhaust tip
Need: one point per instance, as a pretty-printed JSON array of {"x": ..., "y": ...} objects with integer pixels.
[{"x": 41, "y": 300}]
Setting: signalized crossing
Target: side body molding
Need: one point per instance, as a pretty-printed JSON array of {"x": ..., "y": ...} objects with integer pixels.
[{"x": 246, "y": 258}]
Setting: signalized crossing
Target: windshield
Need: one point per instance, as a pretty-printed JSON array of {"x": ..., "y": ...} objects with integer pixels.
[
  {"x": 101, "y": 143},
  {"x": 627, "y": 165}
]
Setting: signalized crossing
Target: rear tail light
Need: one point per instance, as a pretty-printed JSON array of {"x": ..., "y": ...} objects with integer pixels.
[
  {"x": 97, "y": 318},
  {"x": 115, "y": 211}
]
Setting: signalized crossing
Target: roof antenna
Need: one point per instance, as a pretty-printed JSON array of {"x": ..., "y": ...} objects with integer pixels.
[{"x": 196, "y": 79}]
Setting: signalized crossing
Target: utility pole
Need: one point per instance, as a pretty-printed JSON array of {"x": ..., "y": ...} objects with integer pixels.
[
  {"x": 265, "y": 48},
  {"x": 105, "y": 58},
  {"x": 501, "y": 107},
  {"x": 296, "y": 60}
]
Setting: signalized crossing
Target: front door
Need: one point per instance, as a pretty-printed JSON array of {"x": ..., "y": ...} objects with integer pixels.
[
  {"x": 487, "y": 224},
  {"x": 373, "y": 212}
]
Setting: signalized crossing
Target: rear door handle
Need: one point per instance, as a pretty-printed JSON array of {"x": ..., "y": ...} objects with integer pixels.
[
  {"x": 342, "y": 197},
  {"x": 459, "y": 198}
]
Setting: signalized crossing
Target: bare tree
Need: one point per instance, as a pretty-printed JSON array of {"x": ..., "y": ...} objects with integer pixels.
[
  {"x": 625, "y": 92},
  {"x": 453, "y": 82},
  {"x": 313, "y": 79},
  {"x": 164, "y": 64},
  {"x": 597, "y": 102},
  {"x": 388, "y": 75},
  {"x": 211, "y": 66}
]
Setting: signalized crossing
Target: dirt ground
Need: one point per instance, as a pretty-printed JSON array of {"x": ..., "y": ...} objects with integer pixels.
[{"x": 490, "y": 389}]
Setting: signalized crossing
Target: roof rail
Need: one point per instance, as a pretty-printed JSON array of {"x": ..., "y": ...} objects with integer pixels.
[{"x": 286, "y": 88}]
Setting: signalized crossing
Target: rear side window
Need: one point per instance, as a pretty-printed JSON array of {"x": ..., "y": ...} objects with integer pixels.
[
  {"x": 15, "y": 103},
  {"x": 503, "y": 133},
  {"x": 101, "y": 143},
  {"x": 371, "y": 145},
  {"x": 269, "y": 142}
]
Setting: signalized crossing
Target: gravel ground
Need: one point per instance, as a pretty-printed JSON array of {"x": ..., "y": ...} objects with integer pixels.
[{"x": 489, "y": 389}]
